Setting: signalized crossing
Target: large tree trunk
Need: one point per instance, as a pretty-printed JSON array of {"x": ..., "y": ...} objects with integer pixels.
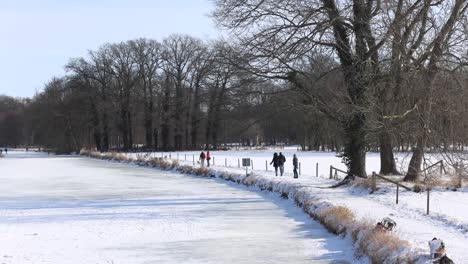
[
  {"x": 357, "y": 74},
  {"x": 97, "y": 126},
  {"x": 387, "y": 160},
  {"x": 165, "y": 117},
  {"x": 148, "y": 130},
  {"x": 105, "y": 133},
  {"x": 355, "y": 148},
  {"x": 130, "y": 129},
  {"x": 148, "y": 123},
  {"x": 414, "y": 168}
]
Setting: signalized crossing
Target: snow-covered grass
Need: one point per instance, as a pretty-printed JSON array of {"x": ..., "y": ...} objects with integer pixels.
[{"x": 379, "y": 247}]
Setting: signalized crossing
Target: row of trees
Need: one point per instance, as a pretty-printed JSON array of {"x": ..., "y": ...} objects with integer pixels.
[
  {"x": 383, "y": 60},
  {"x": 346, "y": 76}
]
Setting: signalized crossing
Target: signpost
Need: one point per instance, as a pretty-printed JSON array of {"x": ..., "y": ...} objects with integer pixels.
[{"x": 246, "y": 164}]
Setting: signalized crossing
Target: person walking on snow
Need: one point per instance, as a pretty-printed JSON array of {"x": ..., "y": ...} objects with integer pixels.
[
  {"x": 208, "y": 158},
  {"x": 202, "y": 158},
  {"x": 281, "y": 161},
  {"x": 295, "y": 166},
  {"x": 275, "y": 163}
]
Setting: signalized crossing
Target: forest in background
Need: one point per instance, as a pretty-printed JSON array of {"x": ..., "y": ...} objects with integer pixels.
[{"x": 349, "y": 76}]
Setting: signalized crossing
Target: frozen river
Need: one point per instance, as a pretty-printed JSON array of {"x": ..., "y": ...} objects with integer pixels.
[{"x": 79, "y": 210}]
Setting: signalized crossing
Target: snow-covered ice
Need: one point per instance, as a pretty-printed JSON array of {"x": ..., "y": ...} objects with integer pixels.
[{"x": 56, "y": 209}]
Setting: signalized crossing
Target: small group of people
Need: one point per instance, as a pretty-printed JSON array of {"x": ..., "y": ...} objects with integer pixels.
[
  {"x": 204, "y": 157},
  {"x": 278, "y": 162}
]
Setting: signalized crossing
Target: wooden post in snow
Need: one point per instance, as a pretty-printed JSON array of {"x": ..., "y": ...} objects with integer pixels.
[
  {"x": 316, "y": 169},
  {"x": 428, "y": 191},
  {"x": 374, "y": 181},
  {"x": 331, "y": 172},
  {"x": 397, "y": 189}
]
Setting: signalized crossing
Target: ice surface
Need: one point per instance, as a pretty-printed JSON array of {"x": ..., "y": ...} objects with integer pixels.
[{"x": 79, "y": 210}]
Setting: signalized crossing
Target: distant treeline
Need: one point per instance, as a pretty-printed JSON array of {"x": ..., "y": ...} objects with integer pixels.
[{"x": 350, "y": 77}]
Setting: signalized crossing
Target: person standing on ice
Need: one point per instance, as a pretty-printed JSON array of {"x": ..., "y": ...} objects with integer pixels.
[
  {"x": 275, "y": 163},
  {"x": 295, "y": 166},
  {"x": 202, "y": 158},
  {"x": 208, "y": 158},
  {"x": 281, "y": 161}
]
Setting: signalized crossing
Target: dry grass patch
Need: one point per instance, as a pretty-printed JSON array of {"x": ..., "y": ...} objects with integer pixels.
[
  {"x": 201, "y": 171},
  {"x": 383, "y": 247},
  {"x": 363, "y": 183},
  {"x": 336, "y": 219}
]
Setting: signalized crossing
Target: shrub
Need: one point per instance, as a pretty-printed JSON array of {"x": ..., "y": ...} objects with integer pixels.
[
  {"x": 201, "y": 171},
  {"x": 382, "y": 247},
  {"x": 336, "y": 219}
]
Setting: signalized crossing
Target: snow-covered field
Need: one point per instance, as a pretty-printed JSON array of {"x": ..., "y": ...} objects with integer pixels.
[
  {"x": 77, "y": 210},
  {"x": 261, "y": 160}
]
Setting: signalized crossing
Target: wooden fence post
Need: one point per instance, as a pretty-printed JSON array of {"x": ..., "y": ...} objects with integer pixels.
[
  {"x": 299, "y": 168},
  {"x": 251, "y": 161},
  {"x": 266, "y": 165},
  {"x": 428, "y": 190},
  {"x": 225, "y": 162},
  {"x": 316, "y": 169},
  {"x": 460, "y": 179},
  {"x": 193, "y": 157},
  {"x": 441, "y": 166},
  {"x": 397, "y": 189},
  {"x": 331, "y": 172},
  {"x": 458, "y": 174},
  {"x": 374, "y": 181},
  {"x": 238, "y": 163},
  {"x": 213, "y": 161},
  {"x": 185, "y": 156}
]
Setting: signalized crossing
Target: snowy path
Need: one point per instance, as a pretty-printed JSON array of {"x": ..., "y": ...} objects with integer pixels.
[{"x": 78, "y": 210}]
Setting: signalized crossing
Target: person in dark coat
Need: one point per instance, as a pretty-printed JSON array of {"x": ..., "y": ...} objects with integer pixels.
[
  {"x": 295, "y": 163},
  {"x": 208, "y": 158},
  {"x": 202, "y": 158},
  {"x": 281, "y": 161},
  {"x": 275, "y": 163}
]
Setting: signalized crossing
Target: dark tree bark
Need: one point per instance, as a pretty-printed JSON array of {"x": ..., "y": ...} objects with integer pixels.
[{"x": 387, "y": 159}]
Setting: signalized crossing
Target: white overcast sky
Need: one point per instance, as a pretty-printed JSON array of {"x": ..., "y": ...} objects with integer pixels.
[{"x": 39, "y": 36}]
